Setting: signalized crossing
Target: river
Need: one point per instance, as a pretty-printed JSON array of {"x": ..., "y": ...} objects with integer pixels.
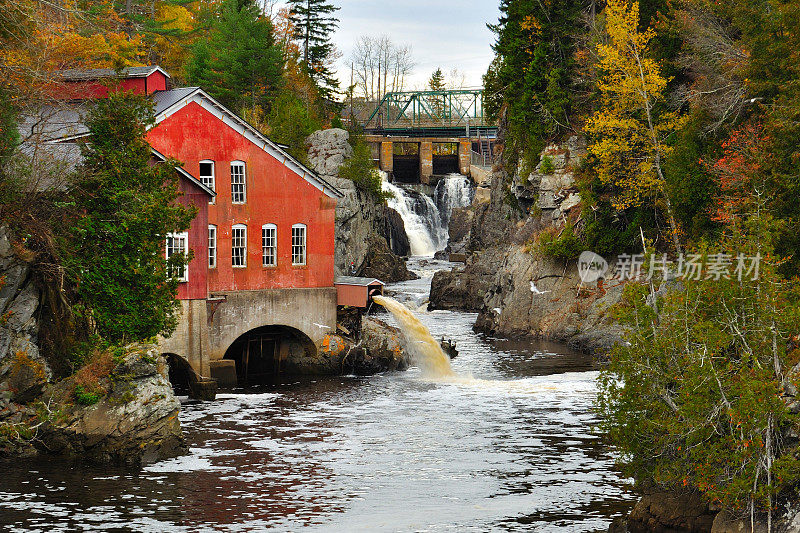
[{"x": 511, "y": 450}]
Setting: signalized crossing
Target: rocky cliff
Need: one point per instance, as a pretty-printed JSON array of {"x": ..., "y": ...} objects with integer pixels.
[
  {"x": 131, "y": 414},
  {"x": 517, "y": 290},
  {"x": 369, "y": 235}
]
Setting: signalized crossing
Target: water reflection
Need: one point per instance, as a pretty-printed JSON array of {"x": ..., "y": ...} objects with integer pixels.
[{"x": 508, "y": 446}]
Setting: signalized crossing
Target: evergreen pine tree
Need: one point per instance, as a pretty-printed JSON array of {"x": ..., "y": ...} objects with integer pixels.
[
  {"x": 533, "y": 69},
  {"x": 314, "y": 23},
  {"x": 239, "y": 62},
  {"x": 124, "y": 208},
  {"x": 436, "y": 83}
]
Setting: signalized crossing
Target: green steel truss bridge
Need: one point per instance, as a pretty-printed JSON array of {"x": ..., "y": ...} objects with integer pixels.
[{"x": 454, "y": 113}]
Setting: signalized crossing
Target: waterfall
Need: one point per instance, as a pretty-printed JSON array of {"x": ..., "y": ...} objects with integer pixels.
[
  {"x": 422, "y": 348},
  {"x": 426, "y": 221},
  {"x": 455, "y": 190},
  {"x": 421, "y": 218}
]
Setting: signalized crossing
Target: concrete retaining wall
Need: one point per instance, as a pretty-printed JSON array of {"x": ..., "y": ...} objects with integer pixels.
[{"x": 207, "y": 329}]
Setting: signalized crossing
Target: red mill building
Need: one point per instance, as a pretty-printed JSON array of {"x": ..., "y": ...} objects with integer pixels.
[{"x": 259, "y": 290}]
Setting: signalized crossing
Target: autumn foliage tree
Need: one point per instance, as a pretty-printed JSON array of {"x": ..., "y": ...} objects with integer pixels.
[
  {"x": 697, "y": 397},
  {"x": 630, "y": 131}
]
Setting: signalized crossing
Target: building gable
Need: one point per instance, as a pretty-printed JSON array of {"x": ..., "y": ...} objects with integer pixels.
[{"x": 168, "y": 104}]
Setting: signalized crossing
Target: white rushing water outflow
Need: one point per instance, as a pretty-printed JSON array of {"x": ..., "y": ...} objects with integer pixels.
[
  {"x": 422, "y": 348},
  {"x": 426, "y": 221}
]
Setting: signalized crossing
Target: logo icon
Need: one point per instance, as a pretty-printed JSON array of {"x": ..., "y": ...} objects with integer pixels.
[{"x": 591, "y": 267}]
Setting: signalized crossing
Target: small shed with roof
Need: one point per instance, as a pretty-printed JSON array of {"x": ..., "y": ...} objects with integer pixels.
[{"x": 357, "y": 292}]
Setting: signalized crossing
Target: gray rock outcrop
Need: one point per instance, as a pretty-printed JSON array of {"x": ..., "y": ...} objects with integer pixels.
[
  {"x": 374, "y": 349},
  {"x": 360, "y": 219},
  {"x": 517, "y": 291},
  {"x": 135, "y": 423},
  {"x": 667, "y": 512},
  {"x": 135, "y": 419},
  {"x": 23, "y": 371}
]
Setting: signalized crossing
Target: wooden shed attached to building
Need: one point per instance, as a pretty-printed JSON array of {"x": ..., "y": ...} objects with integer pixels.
[{"x": 357, "y": 292}]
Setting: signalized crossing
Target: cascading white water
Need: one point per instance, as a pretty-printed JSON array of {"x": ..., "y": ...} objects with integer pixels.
[
  {"x": 455, "y": 190},
  {"x": 426, "y": 221},
  {"x": 419, "y": 215},
  {"x": 423, "y": 350}
]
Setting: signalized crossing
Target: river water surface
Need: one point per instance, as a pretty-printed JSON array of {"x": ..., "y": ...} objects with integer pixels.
[{"x": 511, "y": 450}]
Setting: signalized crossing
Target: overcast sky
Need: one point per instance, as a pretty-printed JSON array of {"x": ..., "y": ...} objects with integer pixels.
[{"x": 443, "y": 33}]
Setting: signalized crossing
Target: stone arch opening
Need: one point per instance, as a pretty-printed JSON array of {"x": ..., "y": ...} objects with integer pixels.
[
  {"x": 263, "y": 354},
  {"x": 181, "y": 374}
]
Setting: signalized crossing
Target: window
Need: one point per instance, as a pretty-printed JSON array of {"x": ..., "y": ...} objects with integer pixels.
[
  {"x": 207, "y": 175},
  {"x": 299, "y": 244},
  {"x": 239, "y": 246},
  {"x": 212, "y": 246},
  {"x": 269, "y": 244},
  {"x": 238, "y": 183},
  {"x": 178, "y": 244}
]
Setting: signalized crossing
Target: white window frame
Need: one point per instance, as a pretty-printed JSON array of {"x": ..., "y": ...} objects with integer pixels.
[
  {"x": 269, "y": 245},
  {"x": 299, "y": 245},
  {"x": 212, "y": 246},
  {"x": 243, "y": 184},
  {"x": 234, "y": 229},
  {"x": 171, "y": 250},
  {"x": 213, "y": 180}
]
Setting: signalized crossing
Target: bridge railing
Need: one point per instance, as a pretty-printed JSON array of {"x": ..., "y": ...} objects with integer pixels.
[
  {"x": 426, "y": 109},
  {"x": 481, "y": 160}
]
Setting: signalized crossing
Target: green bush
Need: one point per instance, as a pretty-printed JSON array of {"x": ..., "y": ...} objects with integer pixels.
[
  {"x": 547, "y": 165},
  {"x": 360, "y": 170},
  {"x": 693, "y": 399},
  {"x": 113, "y": 243},
  {"x": 565, "y": 247},
  {"x": 86, "y": 397}
]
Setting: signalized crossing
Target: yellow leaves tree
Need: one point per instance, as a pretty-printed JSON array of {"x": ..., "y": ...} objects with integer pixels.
[{"x": 631, "y": 127}]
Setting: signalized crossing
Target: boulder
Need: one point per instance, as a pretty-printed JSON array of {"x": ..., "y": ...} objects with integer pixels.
[
  {"x": 395, "y": 233},
  {"x": 382, "y": 348},
  {"x": 573, "y": 200},
  {"x": 328, "y": 150},
  {"x": 376, "y": 350},
  {"x": 459, "y": 229},
  {"x": 457, "y": 289},
  {"x": 382, "y": 264},
  {"x": 135, "y": 422},
  {"x": 667, "y": 512}
]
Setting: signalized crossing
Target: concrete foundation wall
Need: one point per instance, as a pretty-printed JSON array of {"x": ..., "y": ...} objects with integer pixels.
[
  {"x": 464, "y": 156},
  {"x": 425, "y": 162},
  {"x": 190, "y": 339},
  {"x": 207, "y": 329},
  {"x": 425, "y": 152}
]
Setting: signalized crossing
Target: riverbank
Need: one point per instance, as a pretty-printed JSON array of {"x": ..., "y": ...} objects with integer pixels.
[{"x": 517, "y": 289}]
